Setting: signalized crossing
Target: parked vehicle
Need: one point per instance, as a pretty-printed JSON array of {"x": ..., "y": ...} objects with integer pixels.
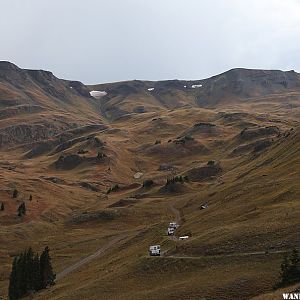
[
  {"x": 170, "y": 231},
  {"x": 185, "y": 237},
  {"x": 204, "y": 205},
  {"x": 154, "y": 250},
  {"x": 173, "y": 225}
]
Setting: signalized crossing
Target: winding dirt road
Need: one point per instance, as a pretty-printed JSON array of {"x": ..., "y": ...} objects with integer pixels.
[
  {"x": 238, "y": 254},
  {"x": 176, "y": 212},
  {"x": 91, "y": 257}
]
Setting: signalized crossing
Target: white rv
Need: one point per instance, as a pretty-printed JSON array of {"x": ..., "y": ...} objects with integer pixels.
[
  {"x": 154, "y": 250},
  {"x": 185, "y": 237}
]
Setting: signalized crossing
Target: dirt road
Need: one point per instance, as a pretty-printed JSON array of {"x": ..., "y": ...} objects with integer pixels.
[
  {"x": 176, "y": 212},
  {"x": 238, "y": 254},
  {"x": 91, "y": 257}
]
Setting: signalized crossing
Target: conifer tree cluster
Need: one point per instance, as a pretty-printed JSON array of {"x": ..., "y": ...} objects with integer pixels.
[
  {"x": 290, "y": 270},
  {"x": 30, "y": 272}
]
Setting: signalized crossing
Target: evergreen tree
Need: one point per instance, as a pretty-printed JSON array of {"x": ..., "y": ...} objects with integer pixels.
[
  {"x": 22, "y": 209},
  {"x": 30, "y": 197},
  {"x": 29, "y": 269},
  {"x": 30, "y": 272},
  {"x": 13, "y": 290},
  {"x": 290, "y": 270},
  {"x": 15, "y": 193},
  {"x": 2, "y": 206},
  {"x": 47, "y": 275},
  {"x": 36, "y": 273},
  {"x": 294, "y": 271}
]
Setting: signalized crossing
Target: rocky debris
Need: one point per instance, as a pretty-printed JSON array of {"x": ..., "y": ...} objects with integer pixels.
[
  {"x": 254, "y": 133},
  {"x": 53, "y": 179},
  {"x": 157, "y": 119},
  {"x": 205, "y": 172},
  {"x": 68, "y": 144},
  {"x": 39, "y": 149},
  {"x": 245, "y": 83},
  {"x": 97, "y": 142},
  {"x": 204, "y": 126},
  {"x": 26, "y": 133},
  {"x": 88, "y": 186},
  {"x": 19, "y": 109},
  {"x": 94, "y": 216},
  {"x": 71, "y": 161},
  {"x": 233, "y": 117},
  {"x": 80, "y": 88},
  {"x": 201, "y": 128},
  {"x": 173, "y": 188},
  {"x": 183, "y": 140},
  {"x": 139, "y": 109},
  {"x": 82, "y": 151},
  {"x": 166, "y": 167},
  {"x": 123, "y": 203},
  {"x": 81, "y": 130},
  {"x": 261, "y": 145},
  {"x": 68, "y": 162}
]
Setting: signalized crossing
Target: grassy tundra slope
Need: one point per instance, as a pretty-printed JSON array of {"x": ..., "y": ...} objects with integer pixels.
[{"x": 237, "y": 138}]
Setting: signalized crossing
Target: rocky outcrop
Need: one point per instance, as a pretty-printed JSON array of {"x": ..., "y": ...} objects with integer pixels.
[
  {"x": 68, "y": 162},
  {"x": 19, "y": 109},
  {"x": 94, "y": 216},
  {"x": 206, "y": 172},
  {"x": 254, "y": 133},
  {"x": 254, "y": 147},
  {"x": 26, "y": 133},
  {"x": 241, "y": 84}
]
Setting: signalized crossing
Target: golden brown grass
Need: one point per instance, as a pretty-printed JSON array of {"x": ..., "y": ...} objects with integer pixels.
[{"x": 252, "y": 206}]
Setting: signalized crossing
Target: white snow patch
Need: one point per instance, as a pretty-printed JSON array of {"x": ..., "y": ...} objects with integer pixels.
[
  {"x": 194, "y": 86},
  {"x": 98, "y": 94},
  {"x": 184, "y": 86},
  {"x": 151, "y": 89}
]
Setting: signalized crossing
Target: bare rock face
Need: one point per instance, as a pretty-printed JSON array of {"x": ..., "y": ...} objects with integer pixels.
[
  {"x": 254, "y": 133},
  {"x": 94, "y": 216},
  {"x": 19, "y": 109},
  {"x": 68, "y": 162},
  {"x": 244, "y": 84},
  {"x": 23, "y": 133}
]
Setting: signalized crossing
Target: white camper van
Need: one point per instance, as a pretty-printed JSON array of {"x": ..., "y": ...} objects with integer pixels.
[
  {"x": 182, "y": 238},
  {"x": 154, "y": 250}
]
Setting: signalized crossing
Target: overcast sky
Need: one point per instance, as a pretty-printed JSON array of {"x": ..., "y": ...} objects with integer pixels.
[{"x": 110, "y": 40}]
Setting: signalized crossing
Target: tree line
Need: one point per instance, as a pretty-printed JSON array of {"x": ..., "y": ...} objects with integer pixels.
[
  {"x": 290, "y": 270},
  {"x": 30, "y": 272}
]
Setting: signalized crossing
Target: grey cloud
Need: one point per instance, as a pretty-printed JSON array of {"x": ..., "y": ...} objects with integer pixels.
[{"x": 99, "y": 41}]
